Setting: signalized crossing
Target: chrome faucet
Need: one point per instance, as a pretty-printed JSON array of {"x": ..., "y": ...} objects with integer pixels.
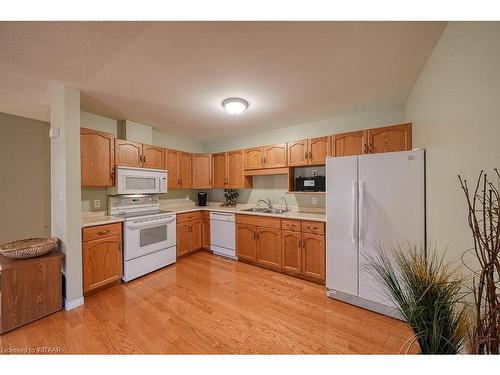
[
  {"x": 286, "y": 204},
  {"x": 267, "y": 202}
]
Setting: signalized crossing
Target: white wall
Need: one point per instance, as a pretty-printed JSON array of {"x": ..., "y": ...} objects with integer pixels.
[
  {"x": 24, "y": 178},
  {"x": 455, "y": 110}
]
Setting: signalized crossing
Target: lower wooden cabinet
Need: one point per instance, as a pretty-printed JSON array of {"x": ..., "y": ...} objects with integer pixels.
[
  {"x": 102, "y": 256},
  {"x": 189, "y": 232},
  {"x": 293, "y": 246},
  {"x": 206, "y": 231}
]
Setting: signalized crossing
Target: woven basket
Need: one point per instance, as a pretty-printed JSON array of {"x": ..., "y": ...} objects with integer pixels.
[{"x": 28, "y": 248}]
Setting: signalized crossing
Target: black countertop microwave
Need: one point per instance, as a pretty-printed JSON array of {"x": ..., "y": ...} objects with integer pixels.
[{"x": 316, "y": 183}]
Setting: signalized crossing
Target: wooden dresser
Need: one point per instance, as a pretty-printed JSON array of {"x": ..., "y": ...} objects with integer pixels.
[{"x": 29, "y": 289}]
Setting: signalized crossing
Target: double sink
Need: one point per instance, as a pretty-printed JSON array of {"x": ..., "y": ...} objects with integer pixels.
[{"x": 265, "y": 210}]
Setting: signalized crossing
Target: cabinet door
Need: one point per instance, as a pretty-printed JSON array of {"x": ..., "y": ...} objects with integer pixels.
[
  {"x": 196, "y": 234},
  {"x": 297, "y": 153},
  {"x": 319, "y": 149},
  {"x": 291, "y": 251},
  {"x": 153, "y": 157},
  {"x": 275, "y": 156},
  {"x": 128, "y": 154},
  {"x": 202, "y": 168},
  {"x": 183, "y": 238},
  {"x": 185, "y": 170},
  {"x": 254, "y": 158},
  {"x": 172, "y": 165},
  {"x": 347, "y": 144},
  {"x": 246, "y": 243},
  {"x": 313, "y": 255},
  {"x": 390, "y": 138},
  {"x": 206, "y": 234},
  {"x": 102, "y": 262},
  {"x": 235, "y": 174},
  {"x": 97, "y": 158},
  {"x": 269, "y": 246},
  {"x": 219, "y": 170}
]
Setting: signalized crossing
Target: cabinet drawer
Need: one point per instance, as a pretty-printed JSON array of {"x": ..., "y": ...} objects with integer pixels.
[
  {"x": 315, "y": 227},
  {"x": 259, "y": 221},
  {"x": 293, "y": 225},
  {"x": 188, "y": 216},
  {"x": 101, "y": 231}
]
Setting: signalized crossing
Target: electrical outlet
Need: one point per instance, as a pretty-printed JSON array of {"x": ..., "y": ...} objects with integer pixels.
[
  {"x": 315, "y": 172},
  {"x": 97, "y": 203},
  {"x": 315, "y": 201}
]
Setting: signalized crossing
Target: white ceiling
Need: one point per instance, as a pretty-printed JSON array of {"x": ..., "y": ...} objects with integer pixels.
[{"x": 174, "y": 75}]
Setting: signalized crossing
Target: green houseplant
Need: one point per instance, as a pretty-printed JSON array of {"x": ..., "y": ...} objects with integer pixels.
[
  {"x": 230, "y": 196},
  {"x": 427, "y": 293}
]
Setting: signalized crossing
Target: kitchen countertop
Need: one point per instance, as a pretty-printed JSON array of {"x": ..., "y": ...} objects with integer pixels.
[
  {"x": 100, "y": 220},
  {"x": 180, "y": 208}
]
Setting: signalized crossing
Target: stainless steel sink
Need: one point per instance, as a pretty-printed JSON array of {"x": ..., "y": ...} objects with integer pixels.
[
  {"x": 274, "y": 211},
  {"x": 255, "y": 209}
]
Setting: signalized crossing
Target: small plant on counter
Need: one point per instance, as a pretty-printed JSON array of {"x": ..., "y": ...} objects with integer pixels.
[
  {"x": 230, "y": 196},
  {"x": 428, "y": 294}
]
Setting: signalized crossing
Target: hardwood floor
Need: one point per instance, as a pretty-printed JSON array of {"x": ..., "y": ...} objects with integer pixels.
[{"x": 206, "y": 304}]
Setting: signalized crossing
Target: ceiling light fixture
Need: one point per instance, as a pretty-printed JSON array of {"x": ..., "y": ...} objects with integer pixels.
[{"x": 235, "y": 106}]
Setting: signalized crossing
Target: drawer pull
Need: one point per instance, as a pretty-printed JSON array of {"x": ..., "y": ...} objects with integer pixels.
[
  {"x": 312, "y": 227},
  {"x": 102, "y": 232}
]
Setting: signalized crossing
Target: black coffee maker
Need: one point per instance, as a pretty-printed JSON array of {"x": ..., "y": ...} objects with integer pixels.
[{"x": 202, "y": 198}]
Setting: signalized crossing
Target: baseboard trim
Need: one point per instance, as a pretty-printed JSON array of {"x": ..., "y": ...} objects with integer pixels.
[{"x": 70, "y": 305}]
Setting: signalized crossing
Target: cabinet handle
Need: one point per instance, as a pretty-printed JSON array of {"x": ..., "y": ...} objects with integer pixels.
[
  {"x": 310, "y": 155},
  {"x": 312, "y": 227},
  {"x": 300, "y": 244},
  {"x": 365, "y": 148},
  {"x": 102, "y": 232},
  {"x": 305, "y": 155},
  {"x": 265, "y": 160},
  {"x": 370, "y": 147}
]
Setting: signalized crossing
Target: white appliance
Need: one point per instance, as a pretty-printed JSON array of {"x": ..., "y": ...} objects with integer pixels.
[
  {"x": 130, "y": 181},
  {"x": 223, "y": 234},
  {"x": 149, "y": 235},
  {"x": 374, "y": 199}
]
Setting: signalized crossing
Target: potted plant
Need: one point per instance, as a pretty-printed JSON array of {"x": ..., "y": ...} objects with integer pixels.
[
  {"x": 428, "y": 294},
  {"x": 230, "y": 196}
]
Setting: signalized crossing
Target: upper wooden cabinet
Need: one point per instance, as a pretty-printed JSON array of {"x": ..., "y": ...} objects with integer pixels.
[
  {"x": 202, "y": 171},
  {"x": 153, "y": 157},
  {"x": 227, "y": 171},
  {"x": 179, "y": 167},
  {"x": 97, "y": 158},
  {"x": 308, "y": 151},
  {"x": 347, "y": 144},
  {"x": 128, "y": 154},
  {"x": 273, "y": 156},
  {"x": 133, "y": 154},
  {"x": 390, "y": 138}
]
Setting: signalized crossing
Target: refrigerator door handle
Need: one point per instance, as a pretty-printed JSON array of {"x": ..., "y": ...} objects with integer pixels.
[
  {"x": 354, "y": 213},
  {"x": 361, "y": 209}
]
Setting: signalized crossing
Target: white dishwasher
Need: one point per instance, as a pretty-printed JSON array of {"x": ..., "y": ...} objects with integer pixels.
[{"x": 223, "y": 234}]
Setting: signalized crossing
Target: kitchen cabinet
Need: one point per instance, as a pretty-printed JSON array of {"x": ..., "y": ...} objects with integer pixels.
[
  {"x": 102, "y": 256},
  {"x": 313, "y": 255},
  {"x": 390, "y": 138},
  {"x": 227, "y": 171},
  {"x": 272, "y": 156},
  {"x": 292, "y": 251},
  {"x": 347, "y": 144},
  {"x": 133, "y": 154},
  {"x": 269, "y": 246},
  {"x": 128, "y": 154},
  {"x": 246, "y": 242},
  {"x": 308, "y": 151},
  {"x": 189, "y": 232},
  {"x": 179, "y": 167},
  {"x": 97, "y": 158},
  {"x": 202, "y": 167},
  {"x": 206, "y": 230},
  {"x": 153, "y": 157}
]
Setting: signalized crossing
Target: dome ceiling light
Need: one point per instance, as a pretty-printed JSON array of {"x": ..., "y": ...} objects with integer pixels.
[{"x": 235, "y": 106}]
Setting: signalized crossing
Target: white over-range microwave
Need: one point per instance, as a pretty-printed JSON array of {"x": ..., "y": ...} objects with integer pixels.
[{"x": 130, "y": 181}]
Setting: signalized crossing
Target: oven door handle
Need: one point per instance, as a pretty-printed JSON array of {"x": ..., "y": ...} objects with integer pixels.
[{"x": 150, "y": 224}]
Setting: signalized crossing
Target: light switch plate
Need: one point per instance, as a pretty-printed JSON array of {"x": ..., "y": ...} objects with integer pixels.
[
  {"x": 97, "y": 203},
  {"x": 315, "y": 201}
]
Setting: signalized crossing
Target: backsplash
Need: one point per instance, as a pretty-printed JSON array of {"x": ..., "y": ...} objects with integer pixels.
[{"x": 273, "y": 187}]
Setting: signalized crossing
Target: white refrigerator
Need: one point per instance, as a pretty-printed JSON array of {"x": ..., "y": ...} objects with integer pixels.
[{"x": 373, "y": 199}]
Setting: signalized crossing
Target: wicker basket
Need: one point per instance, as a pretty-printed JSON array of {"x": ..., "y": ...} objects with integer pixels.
[{"x": 28, "y": 248}]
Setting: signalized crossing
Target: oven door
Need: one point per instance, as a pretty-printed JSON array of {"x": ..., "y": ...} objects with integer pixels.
[{"x": 146, "y": 236}]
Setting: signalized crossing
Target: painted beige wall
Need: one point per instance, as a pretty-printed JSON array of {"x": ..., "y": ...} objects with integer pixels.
[
  {"x": 178, "y": 143},
  {"x": 25, "y": 178},
  {"x": 455, "y": 110},
  {"x": 96, "y": 122},
  {"x": 339, "y": 124}
]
